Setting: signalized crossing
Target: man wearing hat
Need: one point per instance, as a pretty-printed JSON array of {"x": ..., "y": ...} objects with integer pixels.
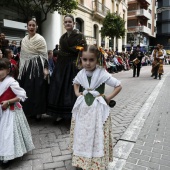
[{"x": 136, "y": 57}]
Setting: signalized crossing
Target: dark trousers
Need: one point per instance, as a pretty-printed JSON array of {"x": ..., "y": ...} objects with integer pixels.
[
  {"x": 138, "y": 66},
  {"x": 156, "y": 72}
]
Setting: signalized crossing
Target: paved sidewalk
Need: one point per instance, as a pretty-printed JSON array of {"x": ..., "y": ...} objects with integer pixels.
[
  {"x": 152, "y": 148},
  {"x": 51, "y": 141}
]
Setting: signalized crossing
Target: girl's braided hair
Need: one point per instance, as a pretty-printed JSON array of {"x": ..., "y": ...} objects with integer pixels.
[{"x": 92, "y": 49}]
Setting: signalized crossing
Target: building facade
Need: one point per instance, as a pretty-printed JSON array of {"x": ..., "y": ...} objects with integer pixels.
[
  {"x": 11, "y": 25},
  {"x": 141, "y": 23},
  {"x": 88, "y": 18},
  {"x": 90, "y": 15},
  {"x": 163, "y": 24}
]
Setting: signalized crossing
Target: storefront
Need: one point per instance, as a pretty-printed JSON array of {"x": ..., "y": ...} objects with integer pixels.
[{"x": 13, "y": 30}]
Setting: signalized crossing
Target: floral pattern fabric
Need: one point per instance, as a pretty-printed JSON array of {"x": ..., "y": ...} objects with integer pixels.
[
  {"x": 22, "y": 136},
  {"x": 96, "y": 163}
]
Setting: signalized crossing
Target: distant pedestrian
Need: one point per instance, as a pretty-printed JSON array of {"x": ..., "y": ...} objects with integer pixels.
[
  {"x": 91, "y": 139},
  {"x": 50, "y": 62},
  {"x": 136, "y": 57},
  {"x": 15, "y": 134}
]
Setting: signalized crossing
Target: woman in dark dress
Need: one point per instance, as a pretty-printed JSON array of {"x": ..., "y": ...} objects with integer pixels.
[
  {"x": 61, "y": 93},
  {"x": 33, "y": 70}
]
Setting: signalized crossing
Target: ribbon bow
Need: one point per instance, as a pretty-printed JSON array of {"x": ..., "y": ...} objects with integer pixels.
[{"x": 80, "y": 48}]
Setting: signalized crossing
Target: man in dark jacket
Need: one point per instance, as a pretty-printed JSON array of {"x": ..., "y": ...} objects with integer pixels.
[{"x": 136, "y": 57}]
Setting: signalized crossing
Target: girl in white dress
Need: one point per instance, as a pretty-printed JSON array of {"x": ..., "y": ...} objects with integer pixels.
[
  {"x": 91, "y": 140},
  {"x": 15, "y": 134}
]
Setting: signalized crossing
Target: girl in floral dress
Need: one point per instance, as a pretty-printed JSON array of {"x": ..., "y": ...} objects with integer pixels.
[
  {"x": 91, "y": 140},
  {"x": 15, "y": 135}
]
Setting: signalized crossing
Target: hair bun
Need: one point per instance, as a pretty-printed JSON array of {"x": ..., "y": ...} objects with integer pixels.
[{"x": 33, "y": 18}]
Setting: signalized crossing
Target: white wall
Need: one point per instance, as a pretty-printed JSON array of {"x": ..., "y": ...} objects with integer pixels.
[{"x": 52, "y": 30}]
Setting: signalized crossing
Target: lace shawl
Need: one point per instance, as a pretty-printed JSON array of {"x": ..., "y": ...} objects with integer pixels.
[{"x": 31, "y": 49}]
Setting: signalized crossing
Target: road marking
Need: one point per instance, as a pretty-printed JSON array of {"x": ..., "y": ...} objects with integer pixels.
[{"x": 124, "y": 146}]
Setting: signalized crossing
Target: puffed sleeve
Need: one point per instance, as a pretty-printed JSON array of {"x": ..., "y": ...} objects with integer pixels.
[
  {"x": 113, "y": 82},
  {"x": 20, "y": 92}
]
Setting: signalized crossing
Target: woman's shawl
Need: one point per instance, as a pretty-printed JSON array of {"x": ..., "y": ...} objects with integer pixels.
[
  {"x": 31, "y": 49},
  {"x": 89, "y": 120}
]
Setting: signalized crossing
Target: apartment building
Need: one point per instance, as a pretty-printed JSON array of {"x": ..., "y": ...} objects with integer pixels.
[
  {"x": 141, "y": 25},
  {"x": 163, "y": 24},
  {"x": 88, "y": 18},
  {"x": 90, "y": 15}
]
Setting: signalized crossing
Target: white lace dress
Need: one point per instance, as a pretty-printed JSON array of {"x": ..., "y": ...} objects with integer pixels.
[
  {"x": 90, "y": 133},
  {"x": 15, "y": 134}
]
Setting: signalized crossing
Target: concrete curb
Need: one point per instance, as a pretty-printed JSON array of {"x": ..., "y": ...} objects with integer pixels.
[{"x": 124, "y": 146}]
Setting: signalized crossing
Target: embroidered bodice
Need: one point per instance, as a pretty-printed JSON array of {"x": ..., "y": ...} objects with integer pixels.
[{"x": 89, "y": 98}]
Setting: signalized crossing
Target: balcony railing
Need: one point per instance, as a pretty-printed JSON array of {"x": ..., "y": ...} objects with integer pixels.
[
  {"x": 99, "y": 9},
  {"x": 148, "y": 1},
  {"x": 140, "y": 12},
  {"x": 143, "y": 29}
]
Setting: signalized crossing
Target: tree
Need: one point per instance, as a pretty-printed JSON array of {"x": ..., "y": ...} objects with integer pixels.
[
  {"x": 113, "y": 26},
  {"x": 30, "y": 8}
]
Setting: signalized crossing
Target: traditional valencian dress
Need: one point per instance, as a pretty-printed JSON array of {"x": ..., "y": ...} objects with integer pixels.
[
  {"x": 33, "y": 60},
  {"x": 91, "y": 140},
  {"x": 61, "y": 96},
  {"x": 15, "y": 134}
]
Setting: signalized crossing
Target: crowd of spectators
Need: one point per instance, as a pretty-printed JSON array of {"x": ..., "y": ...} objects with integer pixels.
[{"x": 115, "y": 61}]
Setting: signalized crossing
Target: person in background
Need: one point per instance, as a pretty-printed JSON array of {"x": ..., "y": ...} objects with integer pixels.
[
  {"x": 4, "y": 43},
  {"x": 0, "y": 53},
  {"x": 13, "y": 47},
  {"x": 50, "y": 62},
  {"x": 137, "y": 55},
  {"x": 33, "y": 71},
  {"x": 56, "y": 48},
  {"x": 61, "y": 96},
  {"x": 160, "y": 57},
  {"x": 14, "y": 67}
]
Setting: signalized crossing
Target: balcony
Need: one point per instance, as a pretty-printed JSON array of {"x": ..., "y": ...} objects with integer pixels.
[
  {"x": 143, "y": 1},
  {"x": 99, "y": 10},
  {"x": 143, "y": 29},
  {"x": 139, "y": 13}
]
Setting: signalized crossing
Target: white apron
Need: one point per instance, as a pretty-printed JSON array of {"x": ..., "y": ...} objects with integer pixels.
[
  {"x": 89, "y": 120},
  {"x": 7, "y": 117}
]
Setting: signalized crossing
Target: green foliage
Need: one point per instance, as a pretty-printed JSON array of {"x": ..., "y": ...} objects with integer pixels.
[
  {"x": 113, "y": 26},
  {"x": 30, "y": 8}
]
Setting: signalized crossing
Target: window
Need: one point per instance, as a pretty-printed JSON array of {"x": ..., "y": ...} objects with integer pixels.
[
  {"x": 80, "y": 25},
  {"x": 81, "y": 2},
  {"x": 150, "y": 11},
  {"x": 149, "y": 25}
]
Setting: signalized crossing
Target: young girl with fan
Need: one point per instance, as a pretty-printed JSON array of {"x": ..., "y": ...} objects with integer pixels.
[
  {"x": 15, "y": 135},
  {"x": 91, "y": 140}
]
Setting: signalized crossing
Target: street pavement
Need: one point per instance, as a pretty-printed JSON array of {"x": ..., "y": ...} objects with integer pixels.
[{"x": 149, "y": 151}]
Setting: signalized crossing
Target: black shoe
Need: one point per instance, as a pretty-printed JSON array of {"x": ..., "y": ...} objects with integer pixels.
[
  {"x": 152, "y": 75},
  {"x": 5, "y": 165},
  {"x": 38, "y": 118},
  {"x": 56, "y": 122},
  {"x": 155, "y": 78}
]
